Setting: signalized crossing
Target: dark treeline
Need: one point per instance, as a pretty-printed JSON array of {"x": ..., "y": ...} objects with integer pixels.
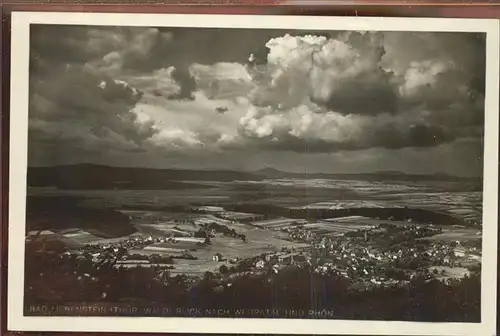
[
  {"x": 220, "y": 228},
  {"x": 64, "y": 212},
  {"x": 374, "y": 176},
  {"x": 89, "y": 176},
  {"x": 400, "y": 214},
  {"x": 52, "y": 280}
]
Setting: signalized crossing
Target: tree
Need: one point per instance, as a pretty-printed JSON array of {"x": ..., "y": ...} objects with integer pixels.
[
  {"x": 208, "y": 275},
  {"x": 223, "y": 269},
  {"x": 200, "y": 234},
  {"x": 154, "y": 258}
]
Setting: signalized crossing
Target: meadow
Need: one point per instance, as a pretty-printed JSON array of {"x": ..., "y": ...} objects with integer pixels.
[{"x": 151, "y": 213}]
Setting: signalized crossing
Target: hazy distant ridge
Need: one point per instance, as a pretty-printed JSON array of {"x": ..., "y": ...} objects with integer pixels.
[
  {"x": 381, "y": 175},
  {"x": 89, "y": 176}
]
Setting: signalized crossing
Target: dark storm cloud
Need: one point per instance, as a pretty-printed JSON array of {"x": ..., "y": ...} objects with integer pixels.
[
  {"x": 367, "y": 93},
  {"x": 211, "y": 45},
  {"x": 363, "y": 86},
  {"x": 415, "y": 136},
  {"x": 54, "y": 45},
  {"x": 142, "y": 50},
  {"x": 102, "y": 90},
  {"x": 78, "y": 110},
  {"x": 148, "y": 49},
  {"x": 390, "y": 90},
  {"x": 388, "y": 137},
  {"x": 187, "y": 84}
]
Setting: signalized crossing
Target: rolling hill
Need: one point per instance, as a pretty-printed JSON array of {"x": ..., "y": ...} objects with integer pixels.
[
  {"x": 90, "y": 176},
  {"x": 272, "y": 173}
]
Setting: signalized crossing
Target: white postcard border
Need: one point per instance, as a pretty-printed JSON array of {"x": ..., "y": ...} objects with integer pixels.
[{"x": 18, "y": 167}]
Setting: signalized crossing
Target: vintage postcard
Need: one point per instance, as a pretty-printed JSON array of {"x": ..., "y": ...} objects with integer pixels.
[{"x": 253, "y": 174}]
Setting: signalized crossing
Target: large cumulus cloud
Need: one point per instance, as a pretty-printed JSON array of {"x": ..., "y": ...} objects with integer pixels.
[
  {"x": 355, "y": 91},
  {"x": 103, "y": 92}
]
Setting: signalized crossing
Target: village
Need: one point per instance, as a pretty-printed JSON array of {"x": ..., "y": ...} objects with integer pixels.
[{"x": 210, "y": 240}]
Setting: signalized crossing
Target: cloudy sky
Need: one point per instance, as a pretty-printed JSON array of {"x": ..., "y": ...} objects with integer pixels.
[{"x": 248, "y": 99}]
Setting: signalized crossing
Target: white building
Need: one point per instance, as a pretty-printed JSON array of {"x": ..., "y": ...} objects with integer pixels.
[{"x": 217, "y": 257}]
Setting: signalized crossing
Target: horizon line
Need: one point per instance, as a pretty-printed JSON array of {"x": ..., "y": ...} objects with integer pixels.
[{"x": 262, "y": 169}]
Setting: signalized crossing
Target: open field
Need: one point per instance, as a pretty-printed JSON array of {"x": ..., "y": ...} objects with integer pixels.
[
  {"x": 335, "y": 229},
  {"x": 445, "y": 273},
  {"x": 179, "y": 245},
  {"x": 79, "y": 237},
  {"x": 460, "y": 234},
  {"x": 333, "y": 205},
  {"x": 280, "y": 226},
  {"x": 162, "y": 230},
  {"x": 259, "y": 241},
  {"x": 459, "y": 198},
  {"x": 356, "y": 220},
  {"x": 327, "y": 227},
  {"x": 148, "y": 252},
  {"x": 276, "y": 224},
  {"x": 115, "y": 240},
  {"x": 195, "y": 267},
  {"x": 163, "y": 250}
]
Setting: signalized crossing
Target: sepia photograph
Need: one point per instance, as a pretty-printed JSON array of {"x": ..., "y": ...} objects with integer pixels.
[{"x": 254, "y": 171}]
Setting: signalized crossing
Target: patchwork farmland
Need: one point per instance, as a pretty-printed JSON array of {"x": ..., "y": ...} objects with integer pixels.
[{"x": 328, "y": 227}]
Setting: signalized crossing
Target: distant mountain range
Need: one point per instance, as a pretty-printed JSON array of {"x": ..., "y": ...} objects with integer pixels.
[
  {"x": 381, "y": 176},
  {"x": 90, "y": 176}
]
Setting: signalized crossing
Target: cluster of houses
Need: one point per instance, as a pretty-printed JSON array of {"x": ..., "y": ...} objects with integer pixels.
[
  {"x": 282, "y": 258},
  {"x": 299, "y": 233},
  {"x": 286, "y": 258},
  {"x": 361, "y": 263},
  {"x": 137, "y": 242},
  {"x": 347, "y": 258},
  {"x": 467, "y": 253},
  {"x": 137, "y": 250}
]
